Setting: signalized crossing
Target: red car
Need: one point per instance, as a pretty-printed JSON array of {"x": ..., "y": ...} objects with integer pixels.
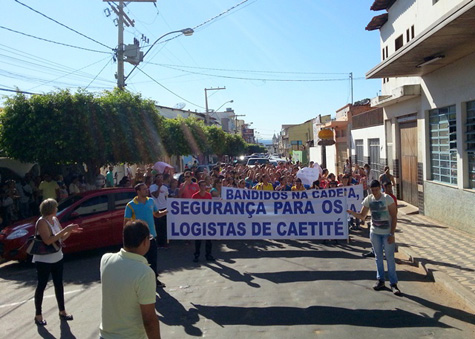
[{"x": 100, "y": 213}]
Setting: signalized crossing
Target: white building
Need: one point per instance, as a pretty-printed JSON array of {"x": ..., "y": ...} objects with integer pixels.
[{"x": 428, "y": 98}]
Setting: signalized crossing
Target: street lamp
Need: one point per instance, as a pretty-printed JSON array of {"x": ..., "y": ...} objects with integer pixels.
[
  {"x": 227, "y": 102},
  {"x": 185, "y": 31}
]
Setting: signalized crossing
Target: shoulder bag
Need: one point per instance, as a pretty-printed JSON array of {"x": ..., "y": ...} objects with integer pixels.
[{"x": 36, "y": 246}]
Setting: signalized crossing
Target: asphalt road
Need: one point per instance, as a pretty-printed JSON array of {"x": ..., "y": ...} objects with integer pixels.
[{"x": 259, "y": 289}]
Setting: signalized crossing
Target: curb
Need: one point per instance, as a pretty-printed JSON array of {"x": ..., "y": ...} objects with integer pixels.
[{"x": 442, "y": 279}]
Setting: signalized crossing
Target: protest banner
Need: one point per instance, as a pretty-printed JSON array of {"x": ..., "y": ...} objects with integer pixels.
[
  {"x": 354, "y": 195},
  {"x": 264, "y": 218}
]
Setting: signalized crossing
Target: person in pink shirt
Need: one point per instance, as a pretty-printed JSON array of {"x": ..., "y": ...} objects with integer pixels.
[
  {"x": 203, "y": 194},
  {"x": 188, "y": 188}
]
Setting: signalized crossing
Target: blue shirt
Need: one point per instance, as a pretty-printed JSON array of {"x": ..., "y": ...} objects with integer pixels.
[{"x": 143, "y": 211}]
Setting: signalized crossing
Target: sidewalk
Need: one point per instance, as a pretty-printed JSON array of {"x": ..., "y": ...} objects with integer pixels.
[{"x": 446, "y": 253}]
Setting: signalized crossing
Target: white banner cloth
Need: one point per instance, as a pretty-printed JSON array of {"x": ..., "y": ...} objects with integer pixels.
[{"x": 264, "y": 218}]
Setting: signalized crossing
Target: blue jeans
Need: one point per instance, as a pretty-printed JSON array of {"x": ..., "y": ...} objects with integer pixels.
[{"x": 379, "y": 243}]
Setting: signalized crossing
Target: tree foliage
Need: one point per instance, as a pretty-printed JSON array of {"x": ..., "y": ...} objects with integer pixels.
[
  {"x": 117, "y": 126},
  {"x": 65, "y": 128},
  {"x": 216, "y": 141},
  {"x": 255, "y": 148},
  {"x": 235, "y": 145}
]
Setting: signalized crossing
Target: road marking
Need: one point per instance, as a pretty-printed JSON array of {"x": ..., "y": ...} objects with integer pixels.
[{"x": 46, "y": 296}]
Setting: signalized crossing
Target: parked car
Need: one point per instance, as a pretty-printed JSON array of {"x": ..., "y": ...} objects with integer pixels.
[
  {"x": 208, "y": 168},
  {"x": 100, "y": 213},
  {"x": 251, "y": 162}
]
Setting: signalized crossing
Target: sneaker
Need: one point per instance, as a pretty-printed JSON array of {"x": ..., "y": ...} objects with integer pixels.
[
  {"x": 210, "y": 258},
  {"x": 395, "y": 289},
  {"x": 369, "y": 254},
  {"x": 379, "y": 285},
  {"x": 160, "y": 284},
  {"x": 196, "y": 259}
]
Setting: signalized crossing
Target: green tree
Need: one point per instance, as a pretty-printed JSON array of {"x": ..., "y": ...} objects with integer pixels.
[
  {"x": 185, "y": 136},
  {"x": 62, "y": 128},
  {"x": 255, "y": 148},
  {"x": 216, "y": 140},
  {"x": 235, "y": 145}
]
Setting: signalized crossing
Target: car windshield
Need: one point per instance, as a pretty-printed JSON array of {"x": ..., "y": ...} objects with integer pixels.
[
  {"x": 257, "y": 161},
  {"x": 68, "y": 202}
]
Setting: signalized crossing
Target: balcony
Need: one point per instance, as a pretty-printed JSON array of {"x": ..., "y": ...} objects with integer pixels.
[
  {"x": 447, "y": 40},
  {"x": 399, "y": 94}
]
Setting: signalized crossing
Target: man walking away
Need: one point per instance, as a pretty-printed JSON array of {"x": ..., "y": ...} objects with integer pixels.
[{"x": 128, "y": 288}]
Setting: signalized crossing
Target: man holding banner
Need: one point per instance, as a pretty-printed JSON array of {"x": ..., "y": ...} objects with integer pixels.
[
  {"x": 384, "y": 217},
  {"x": 202, "y": 194}
]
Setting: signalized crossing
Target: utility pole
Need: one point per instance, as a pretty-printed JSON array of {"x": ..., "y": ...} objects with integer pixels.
[
  {"x": 351, "y": 84},
  {"x": 120, "y": 47},
  {"x": 207, "y": 122},
  {"x": 122, "y": 19}
]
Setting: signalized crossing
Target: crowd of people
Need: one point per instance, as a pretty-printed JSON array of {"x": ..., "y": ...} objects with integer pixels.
[{"x": 145, "y": 230}]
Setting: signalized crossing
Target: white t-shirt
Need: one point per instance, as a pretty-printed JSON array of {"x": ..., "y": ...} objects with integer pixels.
[
  {"x": 380, "y": 217},
  {"x": 161, "y": 200}
]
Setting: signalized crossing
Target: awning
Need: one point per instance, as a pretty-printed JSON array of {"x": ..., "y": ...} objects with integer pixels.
[
  {"x": 381, "y": 4},
  {"x": 444, "y": 42},
  {"x": 377, "y": 22}
]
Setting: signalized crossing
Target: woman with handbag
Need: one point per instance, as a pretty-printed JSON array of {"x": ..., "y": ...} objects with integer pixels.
[{"x": 49, "y": 230}]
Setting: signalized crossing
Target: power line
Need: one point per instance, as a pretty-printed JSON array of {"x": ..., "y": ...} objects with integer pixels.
[
  {"x": 17, "y": 91},
  {"x": 54, "y": 42},
  {"x": 65, "y": 26},
  {"x": 75, "y": 71},
  {"x": 169, "y": 89},
  {"x": 255, "y": 79},
  {"x": 220, "y": 14},
  {"x": 40, "y": 63},
  {"x": 244, "y": 70},
  {"x": 107, "y": 63}
]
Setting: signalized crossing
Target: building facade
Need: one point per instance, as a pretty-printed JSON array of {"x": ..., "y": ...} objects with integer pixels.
[{"x": 428, "y": 102}]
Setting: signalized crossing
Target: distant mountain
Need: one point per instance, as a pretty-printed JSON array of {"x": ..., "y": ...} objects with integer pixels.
[{"x": 265, "y": 141}]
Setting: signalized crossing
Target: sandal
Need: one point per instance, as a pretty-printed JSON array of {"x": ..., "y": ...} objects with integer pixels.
[
  {"x": 66, "y": 317},
  {"x": 40, "y": 322}
]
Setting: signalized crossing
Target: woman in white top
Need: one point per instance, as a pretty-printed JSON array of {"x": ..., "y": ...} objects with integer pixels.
[{"x": 50, "y": 231}]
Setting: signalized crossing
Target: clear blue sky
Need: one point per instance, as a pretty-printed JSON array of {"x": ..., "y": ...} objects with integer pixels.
[{"x": 257, "y": 41}]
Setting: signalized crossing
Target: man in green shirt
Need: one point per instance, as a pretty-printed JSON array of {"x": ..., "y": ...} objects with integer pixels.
[{"x": 128, "y": 288}]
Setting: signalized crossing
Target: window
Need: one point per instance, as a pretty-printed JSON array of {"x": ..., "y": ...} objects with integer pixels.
[
  {"x": 412, "y": 32},
  {"x": 93, "y": 205},
  {"x": 407, "y": 35},
  {"x": 121, "y": 199},
  {"x": 398, "y": 42},
  {"x": 387, "y": 54},
  {"x": 374, "y": 157},
  {"x": 443, "y": 144},
  {"x": 471, "y": 143},
  {"x": 359, "y": 152}
]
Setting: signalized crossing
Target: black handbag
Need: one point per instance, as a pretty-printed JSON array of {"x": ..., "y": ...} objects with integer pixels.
[{"x": 36, "y": 246}]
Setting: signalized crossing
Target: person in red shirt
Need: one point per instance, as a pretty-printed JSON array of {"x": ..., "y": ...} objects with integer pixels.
[
  {"x": 388, "y": 189},
  {"x": 188, "y": 188},
  {"x": 203, "y": 194}
]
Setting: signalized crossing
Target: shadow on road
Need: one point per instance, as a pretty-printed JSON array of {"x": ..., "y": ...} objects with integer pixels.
[
  {"x": 299, "y": 276},
  {"x": 173, "y": 313},
  {"x": 443, "y": 310},
  {"x": 232, "y": 274},
  {"x": 316, "y": 315}
]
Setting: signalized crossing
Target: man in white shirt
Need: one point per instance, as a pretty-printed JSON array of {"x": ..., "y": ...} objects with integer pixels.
[{"x": 159, "y": 192}]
